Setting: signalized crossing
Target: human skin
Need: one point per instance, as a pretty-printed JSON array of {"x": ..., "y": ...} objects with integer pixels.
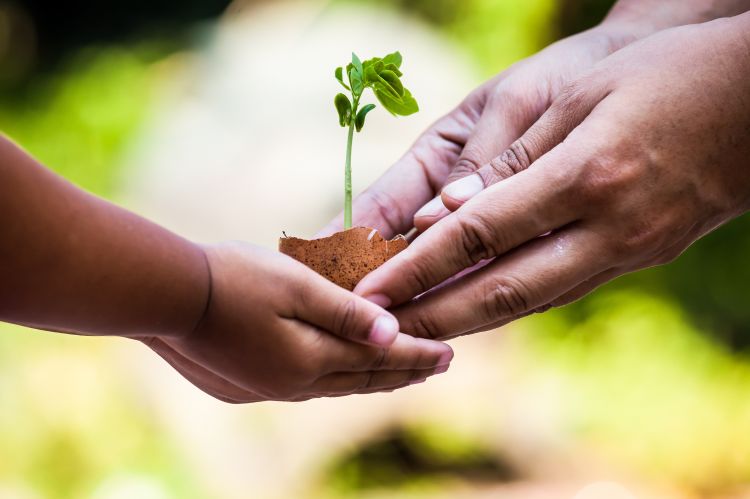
[
  {"x": 493, "y": 116},
  {"x": 635, "y": 160},
  {"x": 239, "y": 322}
]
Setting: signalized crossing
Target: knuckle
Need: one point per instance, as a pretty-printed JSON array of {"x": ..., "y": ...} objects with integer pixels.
[
  {"x": 513, "y": 160},
  {"x": 345, "y": 320},
  {"x": 635, "y": 240},
  {"x": 518, "y": 156},
  {"x": 380, "y": 359},
  {"x": 419, "y": 273},
  {"x": 478, "y": 237},
  {"x": 425, "y": 327},
  {"x": 504, "y": 298},
  {"x": 465, "y": 165},
  {"x": 601, "y": 180}
]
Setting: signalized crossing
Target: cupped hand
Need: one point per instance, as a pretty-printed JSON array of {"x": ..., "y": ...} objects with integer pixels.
[
  {"x": 276, "y": 330},
  {"x": 480, "y": 128},
  {"x": 634, "y": 161}
]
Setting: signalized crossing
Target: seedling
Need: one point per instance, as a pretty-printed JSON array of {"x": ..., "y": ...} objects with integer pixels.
[
  {"x": 347, "y": 256},
  {"x": 383, "y": 76}
]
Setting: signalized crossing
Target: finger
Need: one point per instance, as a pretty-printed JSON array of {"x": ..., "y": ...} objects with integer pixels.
[
  {"x": 201, "y": 377},
  {"x": 429, "y": 214},
  {"x": 567, "y": 298},
  {"x": 507, "y": 115},
  {"x": 322, "y": 303},
  {"x": 504, "y": 119},
  {"x": 586, "y": 287},
  {"x": 566, "y": 113},
  {"x": 370, "y": 381},
  {"x": 406, "y": 354},
  {"x": 390, "y": 203},
  {"x": 502, "y": 217},
  {"x": 523, "y": 281}
]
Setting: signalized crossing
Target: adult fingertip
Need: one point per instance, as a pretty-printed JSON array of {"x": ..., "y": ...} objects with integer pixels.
[
  {"x": 432, "y": 209},
  {"x": 378, "y": 299},
  {"x": 430, "y": 214},
  {"x": 384, "y": 331},
  {"x": 457, "y": 193}
]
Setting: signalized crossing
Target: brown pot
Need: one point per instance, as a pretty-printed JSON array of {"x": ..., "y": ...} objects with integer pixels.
[{"x": 345, "y": 257}]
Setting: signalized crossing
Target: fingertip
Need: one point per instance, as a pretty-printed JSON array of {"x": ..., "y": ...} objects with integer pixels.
[
  {"x": 384, "y": 331},
  {"x": 441, "y": 369},
  {"x": 430, "y": 214},
  {"x": 378, "y": 299},
  {"x": 457, "y": 193},
  {"x": 446, "y": 357}
]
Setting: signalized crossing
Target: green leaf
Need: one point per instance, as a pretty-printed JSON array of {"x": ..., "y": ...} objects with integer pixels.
[
  {"x": 393, "y": 81},
  {"x": 340, "y": 77},
  {"x": 359, "y": 121},
  {"x": 355, "y": 79},
  {"x": 394, "y": 58},
  {"x": 397, "y": 105},
  {"x": 393, "y": 68},
  {"x": 344, "y": 108},
  {"x": 371, "y": 76},
  {"x": 357, "y": 64}
]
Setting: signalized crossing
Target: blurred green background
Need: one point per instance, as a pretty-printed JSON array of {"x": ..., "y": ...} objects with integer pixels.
[{"x": 643, "y": 383}]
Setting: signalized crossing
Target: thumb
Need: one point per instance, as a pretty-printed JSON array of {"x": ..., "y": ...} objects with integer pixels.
[
  {"x": 324, "y": 304},
  {"x": 568, "y": 111}
]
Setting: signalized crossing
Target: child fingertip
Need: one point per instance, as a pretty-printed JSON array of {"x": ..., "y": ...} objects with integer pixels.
[{"x": 384, "y": 331}]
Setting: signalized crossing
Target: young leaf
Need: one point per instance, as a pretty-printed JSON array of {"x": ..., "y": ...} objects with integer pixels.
[
  {"x": 398, "y": 106},
  {"x": 356, "y": 81},
  {"x": 344, "y": 108},
  {"x": 357, "y": 64},
  {"x": 359, "y": 121},
  {"x": 393, "y": 68},
  {"x": 393, "y": 81},
  {"x": 394, "y": 58},
  {"x": 340, "y": 77}
]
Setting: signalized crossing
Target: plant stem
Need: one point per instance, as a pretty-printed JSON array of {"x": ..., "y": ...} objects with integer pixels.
[{"x": 348, "y": 179}]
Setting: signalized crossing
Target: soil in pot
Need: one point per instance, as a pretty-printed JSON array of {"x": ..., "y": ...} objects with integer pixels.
[{"x": 346, "y": 256}]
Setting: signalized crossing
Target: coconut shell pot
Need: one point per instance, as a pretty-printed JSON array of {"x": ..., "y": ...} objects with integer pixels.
[{"x": 345, "y": 257}]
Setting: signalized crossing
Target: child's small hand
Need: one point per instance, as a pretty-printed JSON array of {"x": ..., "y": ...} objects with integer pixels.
[{"x": 275, "y": 330}]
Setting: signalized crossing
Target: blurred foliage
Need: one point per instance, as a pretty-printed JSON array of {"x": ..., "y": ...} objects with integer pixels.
[
  {"x": 647, "y": 388},
  {"x": 416, "y": 458},
  {"x": 495, "y": 32},
  {"x": 78, "y": 121},
  {"x": 71, "y": 428}
]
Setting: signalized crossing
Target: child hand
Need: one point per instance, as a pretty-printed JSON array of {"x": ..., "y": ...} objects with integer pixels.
[{"x": 275, "y": 330}]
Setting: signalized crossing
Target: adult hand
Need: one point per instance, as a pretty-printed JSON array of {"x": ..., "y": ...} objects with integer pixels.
[
  {"x": 276, "y": 330},
  {"x": 480, "y": 128},
  {"x": 633, "y": 162}
]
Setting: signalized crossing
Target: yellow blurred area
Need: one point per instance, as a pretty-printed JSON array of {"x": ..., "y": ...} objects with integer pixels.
[{"x": 624, "y": 396}]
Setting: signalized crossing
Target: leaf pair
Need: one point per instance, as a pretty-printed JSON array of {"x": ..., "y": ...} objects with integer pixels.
[{"x": 383, "y": 76}]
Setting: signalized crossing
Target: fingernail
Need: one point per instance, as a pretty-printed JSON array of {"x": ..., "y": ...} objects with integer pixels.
[
  {"x": 384, "y": 331},
  {"x": 431, "y": 209},
  {"x": 446, "y": 358},
  {"x": 441, "y": 369},
  {"x": 464, "y": 189},
  {"x": 380, "y": 300}
]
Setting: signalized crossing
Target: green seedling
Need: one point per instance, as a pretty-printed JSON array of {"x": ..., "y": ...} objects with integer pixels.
[{"x": 383, "y": 76}]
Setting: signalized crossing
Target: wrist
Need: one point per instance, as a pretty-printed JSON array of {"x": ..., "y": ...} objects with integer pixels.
[{"x": 208, "y": 294}]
